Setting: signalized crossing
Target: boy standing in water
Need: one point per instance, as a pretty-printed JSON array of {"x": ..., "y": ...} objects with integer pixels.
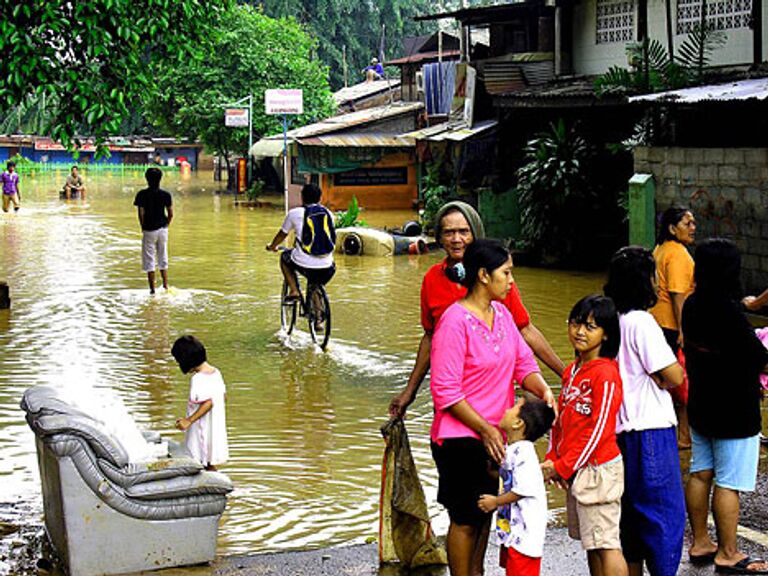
[
  {"x": 155, "y": 208},
  {"x": 10, "y": 181},
  {"x": 521, "y": 519},
  {"x": 205, "y": 423}
]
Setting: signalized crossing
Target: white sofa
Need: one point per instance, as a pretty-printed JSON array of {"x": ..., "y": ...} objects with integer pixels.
[{"x": 105, "y": 515}]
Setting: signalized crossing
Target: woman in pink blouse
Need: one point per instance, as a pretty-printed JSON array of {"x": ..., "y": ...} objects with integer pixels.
[{"x": 477, "y": 355}]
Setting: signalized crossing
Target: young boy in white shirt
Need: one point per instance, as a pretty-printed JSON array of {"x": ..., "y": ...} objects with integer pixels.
[{"x": 521, "y": 517}]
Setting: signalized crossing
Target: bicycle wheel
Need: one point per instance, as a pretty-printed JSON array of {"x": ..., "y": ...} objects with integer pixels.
[
  {"x": 319, "y": 315},
  {"x": 287, "y": 311}
]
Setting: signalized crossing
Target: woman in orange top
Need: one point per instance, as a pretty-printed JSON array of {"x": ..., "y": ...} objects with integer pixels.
[{"x": 674, "y": 266}]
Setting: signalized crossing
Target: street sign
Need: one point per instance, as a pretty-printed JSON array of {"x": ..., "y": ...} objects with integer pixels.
[
  {"x": 236, "y": 117},
  {"x": 284, "y": 101}
]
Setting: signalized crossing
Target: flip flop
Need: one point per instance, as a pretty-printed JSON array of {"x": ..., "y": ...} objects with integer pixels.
[
  {"x": 701, "y": 559},
  {"x": 741, "y": 567},
  {"x": 290, "y": 299}
]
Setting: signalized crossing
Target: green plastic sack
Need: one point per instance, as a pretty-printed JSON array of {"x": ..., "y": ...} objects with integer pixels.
[{"x": 405, "y": 534}]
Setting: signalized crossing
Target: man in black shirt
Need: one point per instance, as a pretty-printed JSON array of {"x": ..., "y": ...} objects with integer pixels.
[{"x": 155, "y": 214}]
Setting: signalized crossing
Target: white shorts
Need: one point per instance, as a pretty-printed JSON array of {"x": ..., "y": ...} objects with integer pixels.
[{"x": 154, "y": 250}]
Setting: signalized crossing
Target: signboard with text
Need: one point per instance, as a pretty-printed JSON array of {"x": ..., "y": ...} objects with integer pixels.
[
  {"x": 236, "y": 117},
  {"x": 284, "y": 101}
]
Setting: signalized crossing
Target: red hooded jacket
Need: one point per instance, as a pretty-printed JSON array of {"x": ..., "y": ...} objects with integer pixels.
[{"x": 585, "y": 431}]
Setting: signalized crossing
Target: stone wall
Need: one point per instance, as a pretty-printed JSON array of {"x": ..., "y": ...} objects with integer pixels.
[{"x": 727, "y": 190}]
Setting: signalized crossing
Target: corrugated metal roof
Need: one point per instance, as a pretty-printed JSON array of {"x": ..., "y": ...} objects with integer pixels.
[
  {"x": 360, "y": 141},
  {"x": 742, "y": 90},
  {"x": 452, "y": 132},
  {"x": 346, "y": 121},
  {"x": 364, "y": 90}
]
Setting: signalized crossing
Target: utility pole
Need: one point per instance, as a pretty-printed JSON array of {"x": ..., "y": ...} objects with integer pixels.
[{"x": 344, "y": 63}]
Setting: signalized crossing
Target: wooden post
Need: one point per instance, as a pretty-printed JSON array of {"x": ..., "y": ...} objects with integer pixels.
[{"x": 5, "y": 296}]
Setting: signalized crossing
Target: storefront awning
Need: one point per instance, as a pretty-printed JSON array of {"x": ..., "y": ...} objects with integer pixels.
[{"x": 267, "y": 148}]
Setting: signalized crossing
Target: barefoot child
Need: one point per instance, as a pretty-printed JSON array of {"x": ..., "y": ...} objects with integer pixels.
[
  {"x": 521, "y": 518},
  {"x": 584, "y": 454},
  {"x": 205, "y": 424}
]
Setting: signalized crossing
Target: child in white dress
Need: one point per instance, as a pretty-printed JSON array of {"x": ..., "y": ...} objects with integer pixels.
[
  {"x": 205, "y": 423},
  {"x": 521, "y": 510}
]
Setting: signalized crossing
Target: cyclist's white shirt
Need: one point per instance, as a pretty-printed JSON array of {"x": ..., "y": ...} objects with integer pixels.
[{"x": 294, "y": 221}]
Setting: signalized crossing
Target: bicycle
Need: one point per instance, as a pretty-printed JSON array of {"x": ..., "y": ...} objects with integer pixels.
[{"x": 314, "y": 306}]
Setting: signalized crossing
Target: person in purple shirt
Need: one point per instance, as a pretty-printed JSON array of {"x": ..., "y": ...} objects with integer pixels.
[{"x": 10, "y": 180}]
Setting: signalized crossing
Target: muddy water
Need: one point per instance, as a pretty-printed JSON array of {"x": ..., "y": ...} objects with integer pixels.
[{"x": 303, "y": 425}]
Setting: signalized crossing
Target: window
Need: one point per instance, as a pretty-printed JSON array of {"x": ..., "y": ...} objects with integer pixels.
[
  {"x": 721, "y": 14},
  {"x": 615, "y": 21}
]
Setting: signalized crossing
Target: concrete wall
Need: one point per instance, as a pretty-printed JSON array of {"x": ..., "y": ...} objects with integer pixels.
[
  {"x": 727, "y": 190},
  {"x": 592, "y": 58}
]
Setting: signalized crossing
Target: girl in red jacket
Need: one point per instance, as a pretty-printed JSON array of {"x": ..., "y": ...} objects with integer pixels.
[{"x": 584, "y": 457}]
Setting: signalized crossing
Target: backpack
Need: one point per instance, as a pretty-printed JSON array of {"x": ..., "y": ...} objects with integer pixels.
[{"x": 318, "y": 235}]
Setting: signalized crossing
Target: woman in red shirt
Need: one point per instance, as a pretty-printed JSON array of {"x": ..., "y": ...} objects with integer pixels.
[{"x": 458, "y": 225}]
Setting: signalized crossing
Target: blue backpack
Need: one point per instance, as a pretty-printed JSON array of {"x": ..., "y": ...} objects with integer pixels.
[{"x": 318, "y": 235}]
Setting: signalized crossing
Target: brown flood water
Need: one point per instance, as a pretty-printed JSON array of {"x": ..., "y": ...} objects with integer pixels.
[{"x": 303, "y": 425}]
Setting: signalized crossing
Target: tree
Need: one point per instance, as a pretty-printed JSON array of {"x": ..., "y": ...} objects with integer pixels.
[
  {"x": 252, "y": 53},
  {"x": 93, "y": 58},
  {"x": 354, "y": 24}
]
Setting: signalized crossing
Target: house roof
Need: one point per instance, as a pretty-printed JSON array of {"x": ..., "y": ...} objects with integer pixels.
[
  {"x": 455, "y": 132},
  {"x": 423, "y": 57},
  {"x": 575, "y": 91},
  {"x": 359, "y": 141},
  {"x": 343, "y": 122},
  {"x": 754, "y": 89},
  {"x": 485, "y": 14},
  {"x": 364, "y": 90}
]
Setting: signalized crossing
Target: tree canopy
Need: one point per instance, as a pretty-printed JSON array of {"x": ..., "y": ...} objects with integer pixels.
[
  {"x": 356, "y": 25},
  {"x": 251, "y": 53},
  {"x": 91, "y": 59}
]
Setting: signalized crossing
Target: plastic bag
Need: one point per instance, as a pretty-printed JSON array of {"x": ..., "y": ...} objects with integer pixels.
[{"x": 405, "y": 534}]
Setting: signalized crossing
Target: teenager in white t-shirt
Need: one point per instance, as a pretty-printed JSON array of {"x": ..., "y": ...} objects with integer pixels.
[
  {"x": 521, "y": 509},
  {"x": 205, "y": 423},
  {"x": 316, "y": 268},
  {"x": 653, "y": 506}
]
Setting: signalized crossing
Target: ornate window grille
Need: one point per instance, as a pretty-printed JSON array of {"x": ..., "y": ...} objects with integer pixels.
[
  {"x": 721, "y": 14},
  {"x": 615, "y": 21}
]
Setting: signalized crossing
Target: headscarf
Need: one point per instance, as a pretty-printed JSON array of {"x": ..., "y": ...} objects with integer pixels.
[{"x": 473, "y": 218}]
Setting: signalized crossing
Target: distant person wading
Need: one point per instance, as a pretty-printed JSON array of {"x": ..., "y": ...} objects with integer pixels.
[{"x": 155, "y": 208}]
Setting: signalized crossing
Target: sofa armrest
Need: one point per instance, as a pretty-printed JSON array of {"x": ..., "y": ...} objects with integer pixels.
[
  {"x": 181, "y": 486},
  {"x": 161, "y": 469},
  {"x": 151, "y": 436}
]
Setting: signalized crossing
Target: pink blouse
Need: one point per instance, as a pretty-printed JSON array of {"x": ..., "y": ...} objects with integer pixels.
[{"x": 471, "y": 362}]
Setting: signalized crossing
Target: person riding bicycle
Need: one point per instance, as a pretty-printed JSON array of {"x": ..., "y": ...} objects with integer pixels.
[{"x": 315, "y": 234}]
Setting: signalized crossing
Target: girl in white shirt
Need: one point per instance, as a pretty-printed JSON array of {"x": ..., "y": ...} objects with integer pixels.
[
  {"x": 653, "y": 505},
  {"x": 205, "y": 423}
]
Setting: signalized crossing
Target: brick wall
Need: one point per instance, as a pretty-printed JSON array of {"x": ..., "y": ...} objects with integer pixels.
[{"x": 727, "y": 190}]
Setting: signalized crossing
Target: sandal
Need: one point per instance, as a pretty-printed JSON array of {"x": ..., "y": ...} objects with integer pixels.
[
  {"x": 741, "y": 567},
  {"x": 701, "y": 559},
  {"x": 291, "y": 298}
]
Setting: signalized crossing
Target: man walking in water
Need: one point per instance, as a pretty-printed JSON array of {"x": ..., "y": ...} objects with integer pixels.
[
  {"x": 155, "y": 214},
  {"x": 10, "y": 182}
]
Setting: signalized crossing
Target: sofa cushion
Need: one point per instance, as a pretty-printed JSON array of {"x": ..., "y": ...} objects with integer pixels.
[
  {"x": 181, "y": 486},
  {"x": 160, "y": 469},
  {"x": 46, "y": 400}
]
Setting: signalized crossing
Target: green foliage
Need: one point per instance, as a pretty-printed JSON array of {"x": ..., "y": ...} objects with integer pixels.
[
  {"x": 92, "y": 60},
  {"x": 435, "y": 195},
  {"x": 651, "y": 69},
  {"x": 350, "y": 216},
  {"x": 696, "y": 51},
  {"x": 253, "y": 193},
  {"x": 554, "y": 192},
  {"x": 250, "y": 54},
  {"x": 356, "y": 25}
]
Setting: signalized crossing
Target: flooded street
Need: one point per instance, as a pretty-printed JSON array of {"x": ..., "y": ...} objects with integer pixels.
[{"x": 303, "y": 425}]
